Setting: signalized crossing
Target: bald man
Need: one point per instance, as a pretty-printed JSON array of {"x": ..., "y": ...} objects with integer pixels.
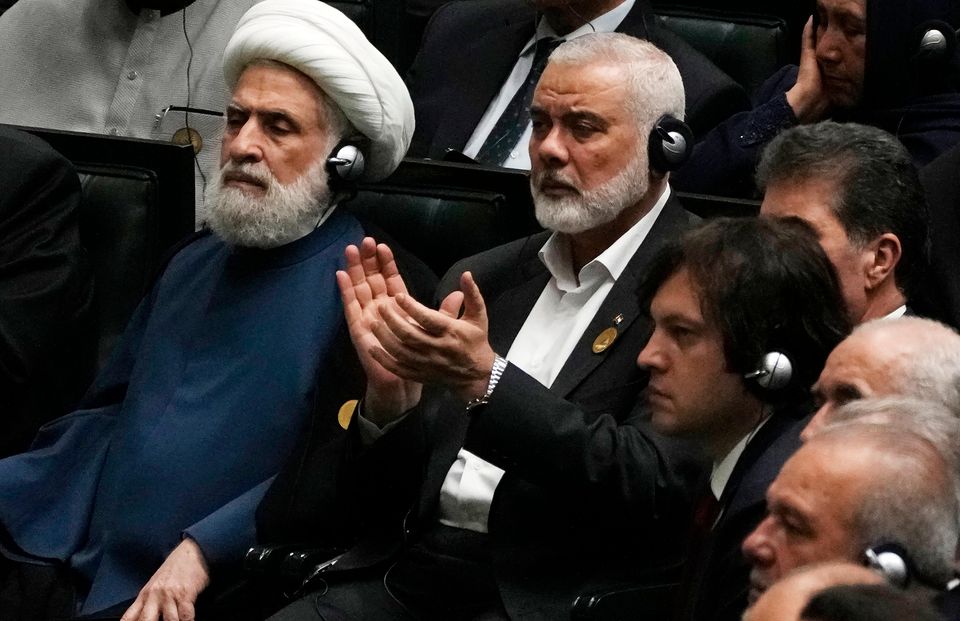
[{"x": 909, "y": 356}]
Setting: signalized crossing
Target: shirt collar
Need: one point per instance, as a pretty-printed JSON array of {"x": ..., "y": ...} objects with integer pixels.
[
  {"x": 608, "y": 22},
  {"x": 724, "y": 468},
  {"x": 555, "y": 254},
  {"x": 900, "y": 311}
]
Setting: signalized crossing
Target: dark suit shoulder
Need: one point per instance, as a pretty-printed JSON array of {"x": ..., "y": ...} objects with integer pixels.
[
  {"x": 496, "y": 267},
  {"x": 763, "y": 458},
  {"x": 456, "y": 19},
  {"x": 28, "y": 164}
]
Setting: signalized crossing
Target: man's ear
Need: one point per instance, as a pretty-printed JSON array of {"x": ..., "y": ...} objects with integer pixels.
[{"x": 885, "y": 251}]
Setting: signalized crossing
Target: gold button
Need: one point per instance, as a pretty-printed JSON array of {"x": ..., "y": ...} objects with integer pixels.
[{"x": 188, "y": 135}]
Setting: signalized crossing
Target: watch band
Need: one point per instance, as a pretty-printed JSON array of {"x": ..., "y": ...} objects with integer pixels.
[{"x": 499, "y": 365}]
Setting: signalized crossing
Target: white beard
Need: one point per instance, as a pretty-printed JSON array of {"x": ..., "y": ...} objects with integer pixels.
[
  {"x": 284, "y": 213},
  {"x": 592, "y": 208}
]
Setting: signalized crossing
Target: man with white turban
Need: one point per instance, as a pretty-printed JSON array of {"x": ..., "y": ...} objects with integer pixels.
[{"x": 155, "y": 480}]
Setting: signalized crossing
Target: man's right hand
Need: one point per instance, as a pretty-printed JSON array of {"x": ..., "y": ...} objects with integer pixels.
[
  {"x": 371, "y": 278},
  {"x": 807, "y": 98}
]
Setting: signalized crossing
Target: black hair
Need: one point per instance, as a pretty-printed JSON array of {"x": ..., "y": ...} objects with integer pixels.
[
  {"x": 767, "y": 286},
  {"x": 877, "y": 186}
]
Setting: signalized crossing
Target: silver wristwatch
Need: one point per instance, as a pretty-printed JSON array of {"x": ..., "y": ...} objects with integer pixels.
[{"x": 499, "y": 364}]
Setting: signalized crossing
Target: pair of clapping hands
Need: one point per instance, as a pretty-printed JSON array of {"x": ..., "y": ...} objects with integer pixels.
[{"x": 403, "y": 344}]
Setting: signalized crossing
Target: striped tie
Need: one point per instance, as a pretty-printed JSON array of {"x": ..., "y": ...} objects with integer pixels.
[{"x": 513, "y": 122}]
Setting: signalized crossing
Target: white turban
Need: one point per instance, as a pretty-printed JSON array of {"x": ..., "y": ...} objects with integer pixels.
[{"x": 324, "y": 44}]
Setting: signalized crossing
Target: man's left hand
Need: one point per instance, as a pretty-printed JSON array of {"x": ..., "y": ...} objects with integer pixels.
[
  {"x": 172, "y": 591},
  {"x": 421, "y": 344}
]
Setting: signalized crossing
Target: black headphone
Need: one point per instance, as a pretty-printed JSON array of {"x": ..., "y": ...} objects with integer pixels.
[
  {"x": 774, "y": 372},
  {"x": 346, "y": 162},
  {"x": 892, "y": 562},
  {"x": 670, "y": 144}
]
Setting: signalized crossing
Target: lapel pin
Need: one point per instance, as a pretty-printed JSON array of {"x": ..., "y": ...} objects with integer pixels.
[{"x": 606, "y": 338}]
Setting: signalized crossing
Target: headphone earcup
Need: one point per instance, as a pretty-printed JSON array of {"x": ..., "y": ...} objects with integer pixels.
[
  {"x": 892, "y": 561},
  {"x": 346, "y": 162},
  {"x": 936, "y": 40},
  {"x": 669, "y": 144},
  {"x": 774, "y": 372}
]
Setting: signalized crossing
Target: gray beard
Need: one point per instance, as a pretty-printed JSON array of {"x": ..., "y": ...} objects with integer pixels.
[
  {"x": 284, "y": 214},
  {"x": 592, "y": 208}
]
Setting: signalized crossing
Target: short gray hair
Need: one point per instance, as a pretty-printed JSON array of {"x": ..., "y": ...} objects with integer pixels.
[
  {"x": 927, "y": 419},
  {"x": 652, "y": 77},
  {"x": 910, "y": 497},
  {"x": 929, "y": 369}
]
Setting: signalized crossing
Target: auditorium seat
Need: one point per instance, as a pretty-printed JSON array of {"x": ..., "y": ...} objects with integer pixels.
[
  {"x": 444, "y": 211},
  {"x": 137, "y": 202},
  {"x": 748, "y": 47},
  {"x": 794, "y": 14}
]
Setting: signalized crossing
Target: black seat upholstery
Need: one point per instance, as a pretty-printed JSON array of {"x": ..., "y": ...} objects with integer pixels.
[
  {"x": 794, "y": 13},
  {"x": 443, "y": 212},
  {"x": 138, "y": 201},
  {"x": 748, "y": 47}
]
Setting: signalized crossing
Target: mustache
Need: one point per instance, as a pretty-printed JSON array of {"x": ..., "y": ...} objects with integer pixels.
[
  {"x": 257, "y": 173},
  {"x": 554, "y": 178}
]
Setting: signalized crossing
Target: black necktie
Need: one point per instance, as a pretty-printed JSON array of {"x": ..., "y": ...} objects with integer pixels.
[{"x": 513, "y": 122}]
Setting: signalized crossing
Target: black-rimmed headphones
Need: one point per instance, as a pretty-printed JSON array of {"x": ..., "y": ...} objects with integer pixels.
[
  {"x": 773, "y": 372},
  {"x": 670, "y": 144},
  {"x": 346, "y": 162}
]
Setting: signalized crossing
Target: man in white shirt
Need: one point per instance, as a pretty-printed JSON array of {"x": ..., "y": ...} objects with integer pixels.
[
  {"x": 856, "y": 185},
  {"x": 133, "y": 68},
  {"x": 519, "y": 485},
  {"x": 745, "y": 313},
  {"x": 478, "y": 57}
]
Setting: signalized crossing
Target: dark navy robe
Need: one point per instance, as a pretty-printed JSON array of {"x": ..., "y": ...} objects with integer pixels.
[{"x": 184, "y": 429}]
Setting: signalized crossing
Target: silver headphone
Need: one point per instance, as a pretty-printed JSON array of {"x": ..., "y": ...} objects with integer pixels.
[
  {"x": 346, "y": 162},
  {"x": 773, "y": 372}
]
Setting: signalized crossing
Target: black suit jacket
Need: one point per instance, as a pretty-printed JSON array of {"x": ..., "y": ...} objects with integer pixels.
[
  {"x": 469, "y": 49},
  {"x": 939, "y": 294},
  {"x": 47, "y": 336},
  {"x": 591, "y": 496},
  {"x": 717, "y": 581}
]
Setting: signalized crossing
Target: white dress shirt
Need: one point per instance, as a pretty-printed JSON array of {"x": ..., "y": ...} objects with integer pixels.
[
  {"x": 553, "y": 328},
  {"x": 519, "y": 157},
  {"x": 898, "y": 312},
  {"x": 96, "y": 66}
]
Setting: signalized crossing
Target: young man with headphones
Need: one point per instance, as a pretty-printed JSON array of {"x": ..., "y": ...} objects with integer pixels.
[
  {"x": 745, "y": 314},
  {"x": 501, "y": 459}
]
